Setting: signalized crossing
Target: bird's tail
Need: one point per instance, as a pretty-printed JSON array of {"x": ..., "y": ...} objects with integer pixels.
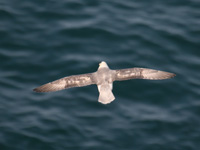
[{"x": 105, "y": 93}]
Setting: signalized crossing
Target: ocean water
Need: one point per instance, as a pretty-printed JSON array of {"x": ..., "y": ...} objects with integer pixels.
[{"x": 41, "y": 41}]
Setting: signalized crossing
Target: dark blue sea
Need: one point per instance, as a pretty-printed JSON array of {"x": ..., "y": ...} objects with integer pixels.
[{"x": 44, "y": 40}]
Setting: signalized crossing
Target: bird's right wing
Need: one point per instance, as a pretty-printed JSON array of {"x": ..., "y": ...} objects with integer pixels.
[
  {"x": 67, "y": 82},
  {"x": 141, "y": 73}
]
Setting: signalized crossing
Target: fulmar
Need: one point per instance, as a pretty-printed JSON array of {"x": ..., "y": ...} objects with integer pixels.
[{"x": 104, "y": 78}]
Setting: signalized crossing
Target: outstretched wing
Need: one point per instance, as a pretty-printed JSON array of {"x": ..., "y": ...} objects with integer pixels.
[
  {"x": 67, "y": 82},
  {"x": 142, "y": 73}
]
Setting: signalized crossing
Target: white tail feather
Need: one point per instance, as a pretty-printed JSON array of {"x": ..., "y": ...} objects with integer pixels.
[{"x": 105, "y": 93}]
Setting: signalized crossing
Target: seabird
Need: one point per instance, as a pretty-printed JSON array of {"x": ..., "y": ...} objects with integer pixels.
[{"x": 104, "y": 78}]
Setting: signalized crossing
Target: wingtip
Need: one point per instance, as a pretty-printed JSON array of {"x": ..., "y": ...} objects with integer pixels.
[
  {"x": 173, "y": 75},
  {"x": 36, "y": 90},
  {"x": 170, "y": 75}
]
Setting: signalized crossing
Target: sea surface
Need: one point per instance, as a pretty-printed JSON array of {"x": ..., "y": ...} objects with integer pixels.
[{"x": 44, "y": 40}]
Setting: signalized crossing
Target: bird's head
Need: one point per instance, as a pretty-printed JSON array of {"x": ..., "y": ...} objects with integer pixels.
[{"x": 103, "y": 64}]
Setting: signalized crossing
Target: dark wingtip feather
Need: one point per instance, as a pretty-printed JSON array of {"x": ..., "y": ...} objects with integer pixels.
[
  {"x": 36, "y": 90},
  {"x": 173, "y": 75},
  {"x": 170, "y": 75},
  {"x": 41, "y": 89}
]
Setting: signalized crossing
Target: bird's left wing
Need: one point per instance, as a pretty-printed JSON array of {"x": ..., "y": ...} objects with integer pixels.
[
  {"x": 141, "y": 73},
  {"x": 67, "y": 82}
]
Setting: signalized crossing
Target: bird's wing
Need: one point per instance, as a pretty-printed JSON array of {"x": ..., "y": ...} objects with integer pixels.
[
  {"x": 67, "y": 82},
  {"x": 142, "y": 73}
]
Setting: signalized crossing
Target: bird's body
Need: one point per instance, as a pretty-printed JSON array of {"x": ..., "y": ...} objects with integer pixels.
[
  {"x": 104, "y": 78},
  {"x": 104, "y": 82}
]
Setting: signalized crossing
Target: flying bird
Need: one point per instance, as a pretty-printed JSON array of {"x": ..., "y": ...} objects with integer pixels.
[{"x": 104, "y": 78}]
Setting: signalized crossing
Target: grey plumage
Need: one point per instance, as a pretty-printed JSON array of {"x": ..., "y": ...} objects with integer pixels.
[
  {"x": 142, "y": 73},
  {"x": 67, "y": 82},
  {"x": 104, "y": 78}
]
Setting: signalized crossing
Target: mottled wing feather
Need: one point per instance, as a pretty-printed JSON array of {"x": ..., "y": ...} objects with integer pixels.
[
  {"x": 142, "y": 73},
  {"x": 67, "y": 82}
]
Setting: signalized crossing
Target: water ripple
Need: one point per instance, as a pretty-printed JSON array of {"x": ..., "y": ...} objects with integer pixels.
[{"x": 42, "y": 41}]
